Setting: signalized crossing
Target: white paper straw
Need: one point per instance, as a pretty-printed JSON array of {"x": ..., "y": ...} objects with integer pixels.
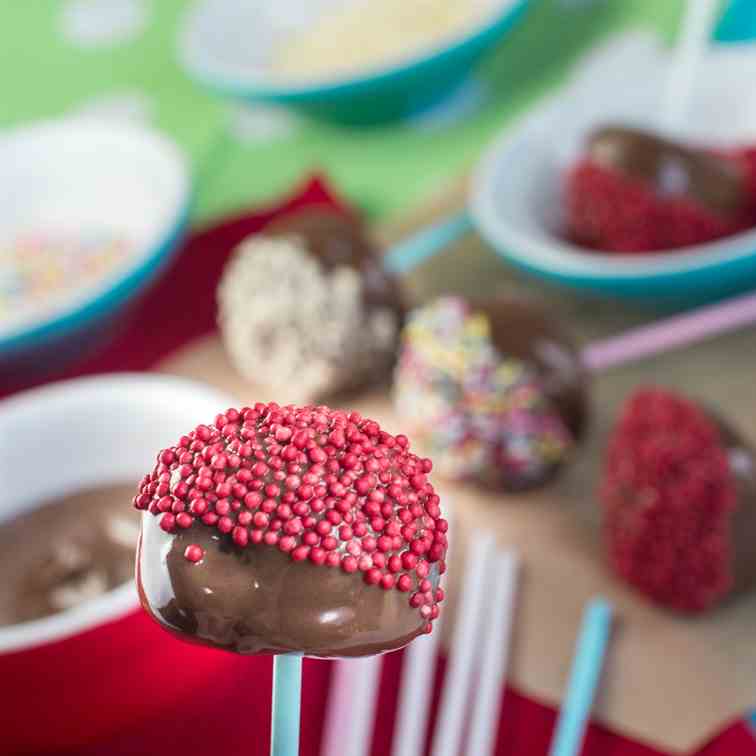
[
  {"x": 413, "y": 704},
  {"x": 465, "y": 644},
  {"x": 351, "y": 713},
  {"x": 494, "y": 655},
  {"x": 337, "y": 704},
  {"x": 691, "y": 46},
  {"x": 418, "y": 669}
]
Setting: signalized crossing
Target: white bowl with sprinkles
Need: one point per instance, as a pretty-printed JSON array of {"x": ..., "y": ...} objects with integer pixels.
[{"x": 90, "y": 212}]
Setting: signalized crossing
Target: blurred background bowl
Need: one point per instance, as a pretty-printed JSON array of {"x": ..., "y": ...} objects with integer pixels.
[
  {"x": 103, "y": 666},
  {"x": 517, "y": 193},
  {"x": 228, "y": 46},
  {"x": 80, "y": 176}
]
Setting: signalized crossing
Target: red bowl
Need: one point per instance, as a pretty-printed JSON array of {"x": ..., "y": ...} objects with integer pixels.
[
  {"x": 104, "y": 667},
  {"x": 115, "y": 677}
]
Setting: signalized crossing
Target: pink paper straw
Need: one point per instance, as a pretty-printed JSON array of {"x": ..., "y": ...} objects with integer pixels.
[{"x": 677, "y": 331}]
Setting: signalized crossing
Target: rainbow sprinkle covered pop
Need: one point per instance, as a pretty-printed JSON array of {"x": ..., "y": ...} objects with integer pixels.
[
  {"x": 492, "y": 391},
  {"x": 291, "y": 530}
]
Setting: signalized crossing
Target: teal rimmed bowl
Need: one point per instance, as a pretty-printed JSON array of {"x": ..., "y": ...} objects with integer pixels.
[
  {"x": 516, "y": 199},
  {"x": 81, "y": 175},
  {"x": 228, "y": 47}
]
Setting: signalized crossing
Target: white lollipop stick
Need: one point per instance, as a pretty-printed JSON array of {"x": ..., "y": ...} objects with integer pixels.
[
  {"x": 337, "y": 708},
  {"x": 494, "y": 655},
  {"x": 458, "y": 685},
  {"x": 418, "y": 668},
  {"x": 690, "y": 49},
  {"x": 351, "y": 710},
  {"x": 350, "y": 715}
]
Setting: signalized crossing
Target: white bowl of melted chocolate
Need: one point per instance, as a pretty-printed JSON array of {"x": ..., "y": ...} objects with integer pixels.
[{"x": 70, "y": 457}]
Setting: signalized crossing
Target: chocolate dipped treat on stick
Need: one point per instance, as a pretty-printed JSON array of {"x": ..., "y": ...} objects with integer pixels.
[
  {"x": 635, "y": 192},
  {"x": 291, "y": 530},
  {"x": 679, "y": 500},
  {"x": 494, "y": 389},
  {"x": 308, "y": 305}
]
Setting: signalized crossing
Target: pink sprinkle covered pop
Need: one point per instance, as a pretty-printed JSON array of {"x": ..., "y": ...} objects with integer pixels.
[
  {"x": 678, "y": 492},
  {"x": 287, "y": 529}
]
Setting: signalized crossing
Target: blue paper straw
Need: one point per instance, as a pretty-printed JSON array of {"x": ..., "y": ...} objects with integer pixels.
[
  {"x": 287, "y": 695},
  {"x": 408, "y": 254},
  {"x": 751, "y": 722},
  {"x": 584, "y": 678}
]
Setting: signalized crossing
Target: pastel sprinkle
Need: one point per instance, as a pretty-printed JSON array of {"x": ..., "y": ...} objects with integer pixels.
[{"x": 40, "y": 269}]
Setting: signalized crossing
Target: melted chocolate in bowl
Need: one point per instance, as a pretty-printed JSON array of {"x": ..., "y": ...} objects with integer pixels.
[
  {"x": 256, "y": 600},
  {"x": 66, "y": 552}
]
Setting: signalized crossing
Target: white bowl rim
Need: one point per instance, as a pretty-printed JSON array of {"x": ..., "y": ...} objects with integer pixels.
[
  {"x": 230, "y": 78},
  {"x": 56, "y": 128},
  {"x": 560, "y": 257},
  {"x": 122, "y": 600}
]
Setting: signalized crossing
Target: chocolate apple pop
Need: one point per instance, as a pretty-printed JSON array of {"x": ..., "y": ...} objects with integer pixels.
[
  {"x": 679, "y": 500},
  {"x": 308, "y": 305},
  {"x": 497, "y": 393},
  {"x": 282, "y": 530},
  {"x": 634, "y": 191}
]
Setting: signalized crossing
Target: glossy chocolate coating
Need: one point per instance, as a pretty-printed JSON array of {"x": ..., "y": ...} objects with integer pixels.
[
  {"x": 671, "y": 168},
  {"x": 257, "y": 600},
  {"x": 743, "y": 520},
  {"x": 336, "y": 240},
  {"x": 521, "y": 329}
]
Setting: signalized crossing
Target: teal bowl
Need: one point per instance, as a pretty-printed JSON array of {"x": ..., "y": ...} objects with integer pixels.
[
  {"x": 227, "y": 46},
  {"x": 79, "y": 175},
  {"x": 516, "y": 198},
  {"x": 738, "y": 23}
]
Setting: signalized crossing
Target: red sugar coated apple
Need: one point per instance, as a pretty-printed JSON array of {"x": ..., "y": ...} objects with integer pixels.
[
  {"x": 634, "y": 192},
  {"x": 678, "y": 498},
  {"x": 285, "y": 529}
]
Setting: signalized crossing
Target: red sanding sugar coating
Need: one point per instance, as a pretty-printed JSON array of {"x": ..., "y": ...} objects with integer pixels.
[
  {"x": 614, "y": 213},
  {"x": 668, "y": 496},
  {"x": 318, "y": 484}
]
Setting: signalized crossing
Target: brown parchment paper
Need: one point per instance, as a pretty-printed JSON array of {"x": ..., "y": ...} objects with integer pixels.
[{"x": 670, "y": 681}]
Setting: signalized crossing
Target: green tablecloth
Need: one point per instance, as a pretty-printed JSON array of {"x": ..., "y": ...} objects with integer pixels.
[{"x": 62, "y": 55}]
